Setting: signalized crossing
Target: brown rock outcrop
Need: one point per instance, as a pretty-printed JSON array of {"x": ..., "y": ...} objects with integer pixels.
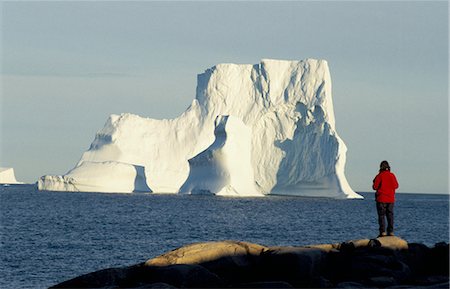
[{"x": 388, "y": 262}]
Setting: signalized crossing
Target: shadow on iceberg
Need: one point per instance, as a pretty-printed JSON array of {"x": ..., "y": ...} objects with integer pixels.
[
  {"x": 309, "y": 165},
  {"x": 140, "y": 181}
]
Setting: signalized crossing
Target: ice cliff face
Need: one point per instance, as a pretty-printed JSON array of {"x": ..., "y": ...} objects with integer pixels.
[
  {"x": 283, "y": 108},
  {"x": 225, "y": 167}
]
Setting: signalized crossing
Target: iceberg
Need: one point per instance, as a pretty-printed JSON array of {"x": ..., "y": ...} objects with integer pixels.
[
  {"x": 7, "y": 176},
  {"x": 251, "y": 130},
  {"x": 103, "y": 177}
]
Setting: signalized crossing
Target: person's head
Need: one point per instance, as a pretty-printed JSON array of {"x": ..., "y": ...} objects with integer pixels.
[{"x": 384, "y": 166}]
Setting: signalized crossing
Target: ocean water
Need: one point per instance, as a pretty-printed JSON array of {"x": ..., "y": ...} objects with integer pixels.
[{"x": 49, "y": 237}]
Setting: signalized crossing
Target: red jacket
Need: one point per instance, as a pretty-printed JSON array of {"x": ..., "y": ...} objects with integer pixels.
[{"x": 385, "y": 184}]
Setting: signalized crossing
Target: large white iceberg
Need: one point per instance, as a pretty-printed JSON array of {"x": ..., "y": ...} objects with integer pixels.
[
  {"x": 287, "y": 108},
  {"x": 7, "y": 176}
]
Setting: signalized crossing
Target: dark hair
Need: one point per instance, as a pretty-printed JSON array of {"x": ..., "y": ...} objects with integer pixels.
[{"x": 384, "y": 166}]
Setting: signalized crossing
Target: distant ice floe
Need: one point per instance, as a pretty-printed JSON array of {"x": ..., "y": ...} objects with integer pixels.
[{"x": 252, "y": 130}]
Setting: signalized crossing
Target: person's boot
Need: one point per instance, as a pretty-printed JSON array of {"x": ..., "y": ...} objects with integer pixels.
[
  {"x": 391, "y": 234},
  {"x": 382, "y": 234}
]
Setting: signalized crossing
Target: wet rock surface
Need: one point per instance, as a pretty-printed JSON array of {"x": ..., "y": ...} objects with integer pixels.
[{"x": 388, "y": 262}]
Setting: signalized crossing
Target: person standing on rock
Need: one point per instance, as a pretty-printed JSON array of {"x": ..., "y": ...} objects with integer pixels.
[{"x": 385, "y": 184}]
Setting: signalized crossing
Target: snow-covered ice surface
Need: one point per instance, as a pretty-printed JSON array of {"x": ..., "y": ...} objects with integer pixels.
[
  {"x": 285, "y": 108},
  {"x": 7, "y": 176}
]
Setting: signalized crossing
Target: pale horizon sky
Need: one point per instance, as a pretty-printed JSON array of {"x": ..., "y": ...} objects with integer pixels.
[{"x": 66, "y": 66}]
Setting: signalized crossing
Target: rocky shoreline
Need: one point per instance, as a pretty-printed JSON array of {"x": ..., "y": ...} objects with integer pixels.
[{"x": 388, "y": 262}]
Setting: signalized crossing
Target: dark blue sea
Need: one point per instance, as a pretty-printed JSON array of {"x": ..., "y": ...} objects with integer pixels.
[{"x": 49, "y": 237}]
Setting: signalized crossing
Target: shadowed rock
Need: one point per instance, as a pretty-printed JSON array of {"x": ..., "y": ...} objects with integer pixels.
[
  {"x": 111, "y": 277},
  {"x": 267, "y": 284},
  {"x": 296, "y": 265}
]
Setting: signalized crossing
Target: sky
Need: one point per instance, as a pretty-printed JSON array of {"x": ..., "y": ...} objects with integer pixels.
[{"x": 66, "y": 66}]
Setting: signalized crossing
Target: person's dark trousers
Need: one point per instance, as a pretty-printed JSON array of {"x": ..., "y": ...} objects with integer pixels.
[{"x": 385, "y": 211}]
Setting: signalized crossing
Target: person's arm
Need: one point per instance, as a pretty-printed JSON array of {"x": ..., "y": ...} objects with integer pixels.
[
  {"x": 395, "y": 182},
  {"x": 376, "y": 183}
]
